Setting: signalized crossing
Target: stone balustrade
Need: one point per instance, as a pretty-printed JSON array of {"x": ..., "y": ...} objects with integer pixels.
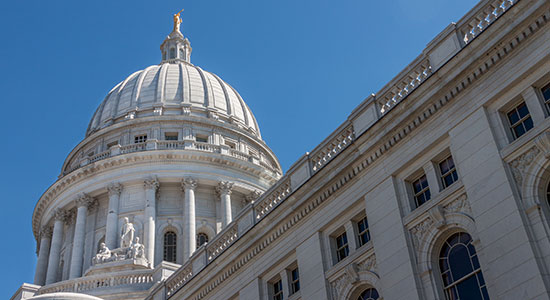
[
  {"x": 101, "y": 281},
  {"x": 439, "y": 50},
  {"x": 480, "y": 17},
  {"x": 170, "y": 145}
]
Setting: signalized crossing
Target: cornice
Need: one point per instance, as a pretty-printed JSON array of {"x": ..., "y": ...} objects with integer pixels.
[
  {"x": 483, "y": 65},
  {"x": 138, "y": 158}
]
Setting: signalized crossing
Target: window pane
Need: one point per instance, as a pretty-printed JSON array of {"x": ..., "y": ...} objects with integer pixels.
[
  {"x": 546, "y": 92},
  {"x": 468, "y": 289},
  {"x": 522, "y": 110},
  {"x": 528, "y": 123}
]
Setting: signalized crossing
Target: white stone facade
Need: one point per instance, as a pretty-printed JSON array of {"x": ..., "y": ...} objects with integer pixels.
[{"x": 445, "y": 126}]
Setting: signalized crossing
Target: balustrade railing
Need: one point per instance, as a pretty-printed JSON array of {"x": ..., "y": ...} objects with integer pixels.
[
  {"x": 94, "y": 282},
  {"x": 164, "y": 145},
  {"x": 479, "y": 19},
  {"x": 402, "y": 85},
  {"x": 327, "y": 150},
  {"x": 133, "y": 148}
]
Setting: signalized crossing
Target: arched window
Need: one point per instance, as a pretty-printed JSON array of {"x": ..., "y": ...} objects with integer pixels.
[
  {"x": 460, "y": 270},
  {"x": 172, "y": 53},
  {"x": 202, "y": 239},
  {"x": 170, "y": 246},
  {"x": 369, "y": 294},
  {"x": 182, "y": 55},
  {"x": 548, "y": 193}
]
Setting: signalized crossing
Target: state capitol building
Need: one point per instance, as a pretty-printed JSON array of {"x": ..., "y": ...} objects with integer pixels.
[{"x": 435, "y": 187}]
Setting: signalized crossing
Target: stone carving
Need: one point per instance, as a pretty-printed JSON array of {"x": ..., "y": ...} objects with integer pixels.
[
  {"x": 137, "y": 250},
  {"x": 46, "y": 232},
  {"x": 420, "y": 229},
  {"x": 84, "y": 200},
  {"x": 351, "y": 275},
  {"x": 128, "y": 232},
  {"x": 522, "y": 162},
  {"x": 129, "y": 249},
  {"x": 151, "y": 183},
  {"x": 60, "y": 214},
  {"x": 114, "y": 188},
  {"x": 103, "y": 255},
  {"x": 189, "y": 183},
  {"x": 459, "y": 205},
  {"x": 543, "y": 143},
  {"x": 369, "y": 264},
  {"x": 224, "y": 187}
]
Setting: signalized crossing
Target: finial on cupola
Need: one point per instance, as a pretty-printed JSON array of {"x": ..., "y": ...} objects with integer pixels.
[{"x": 176, "y": 47}]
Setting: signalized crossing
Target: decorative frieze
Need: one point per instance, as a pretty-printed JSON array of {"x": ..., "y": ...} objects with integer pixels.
[
  {"x": 351, "y": 275},
  {"x": 419, "y": 230},
  {"x": 458, "y": 205},
  {"x": 520, "y": 164}
]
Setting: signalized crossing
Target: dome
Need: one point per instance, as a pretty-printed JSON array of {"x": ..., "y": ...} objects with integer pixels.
[{"x": 175, "y": 87}]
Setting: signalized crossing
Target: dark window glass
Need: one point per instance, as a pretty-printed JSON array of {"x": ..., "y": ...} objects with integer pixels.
[
  {"x": 140, "y": 138},
  {"x": 278, "y": 290},
  {"x": 448, "y": 172},
  {"x": 201, "y": 139},
  {"x": 202, "y": 239},
  {"x": 363, "y": 235},
  {"x": 520, "y": 120},
  {"x": 546, "y": 95},
  {"x": 294, "y": 281},
  {"x": 421, "y": 191},
  {"x": 548, "y": 193},
  {"x": 170, "y": 241},
  {"x": 460, "y": 271},
  {"x": 369, "y": 294},
  {"x": 171, "y": 136},
  {"x": 342, "y": 249}
]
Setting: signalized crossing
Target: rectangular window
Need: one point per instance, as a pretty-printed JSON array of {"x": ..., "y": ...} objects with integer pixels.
[
  {"x": 111, "y": 144},
  {"x": 171, "y": 136},
  {"x": 546, "y": 96},
  {"x": 140, "y": 138},
  {"x": 342, "y": 249},
  {"x": 201, "y": 139},
  {"x": 278, "y": 290},
  {"x": 363, "y": 234},
  {"x": 448, "y": 172},
  {"x": 294, "y": 281},
  {"x": 520, "y": 120},
  {"x": 421, "y": 190}
]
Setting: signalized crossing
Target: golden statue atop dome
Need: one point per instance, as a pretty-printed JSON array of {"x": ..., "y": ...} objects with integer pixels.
[{"x": 177, "y": 21}]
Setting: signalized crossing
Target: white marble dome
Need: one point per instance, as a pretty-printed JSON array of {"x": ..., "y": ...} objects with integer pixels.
[{"x": 171, "y": 88}]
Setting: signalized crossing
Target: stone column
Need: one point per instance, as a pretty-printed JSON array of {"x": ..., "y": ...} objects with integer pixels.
[
  {"x": 151, "y": 186},
  {"x": 224, "y": 190},
  {"x": 189, "y": 228},
  {"x": 57, "y": 239},
  {"x": 111, "y": 228},
  {"x": 43, "y": 253},
  {"x": 82, "y": 203}
]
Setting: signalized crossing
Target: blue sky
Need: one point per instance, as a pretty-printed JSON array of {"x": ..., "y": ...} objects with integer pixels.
[{"x": 301, "y": 66}]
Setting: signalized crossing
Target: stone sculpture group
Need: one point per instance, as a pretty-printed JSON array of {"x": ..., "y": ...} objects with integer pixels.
[{"x": 129, "y": 249}]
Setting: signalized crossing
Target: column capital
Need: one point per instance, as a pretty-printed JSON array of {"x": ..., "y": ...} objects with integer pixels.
[
  {"x": 84, "y": 200},
  {"x": 151, "y": 183},
  {"x": 224, "y": 187},
  {"x": 46, "y": 232},
  {"x": 61, "y": 214},
  {"x": 189, "y": 183},
  {"x": 114, "y": 188}
]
